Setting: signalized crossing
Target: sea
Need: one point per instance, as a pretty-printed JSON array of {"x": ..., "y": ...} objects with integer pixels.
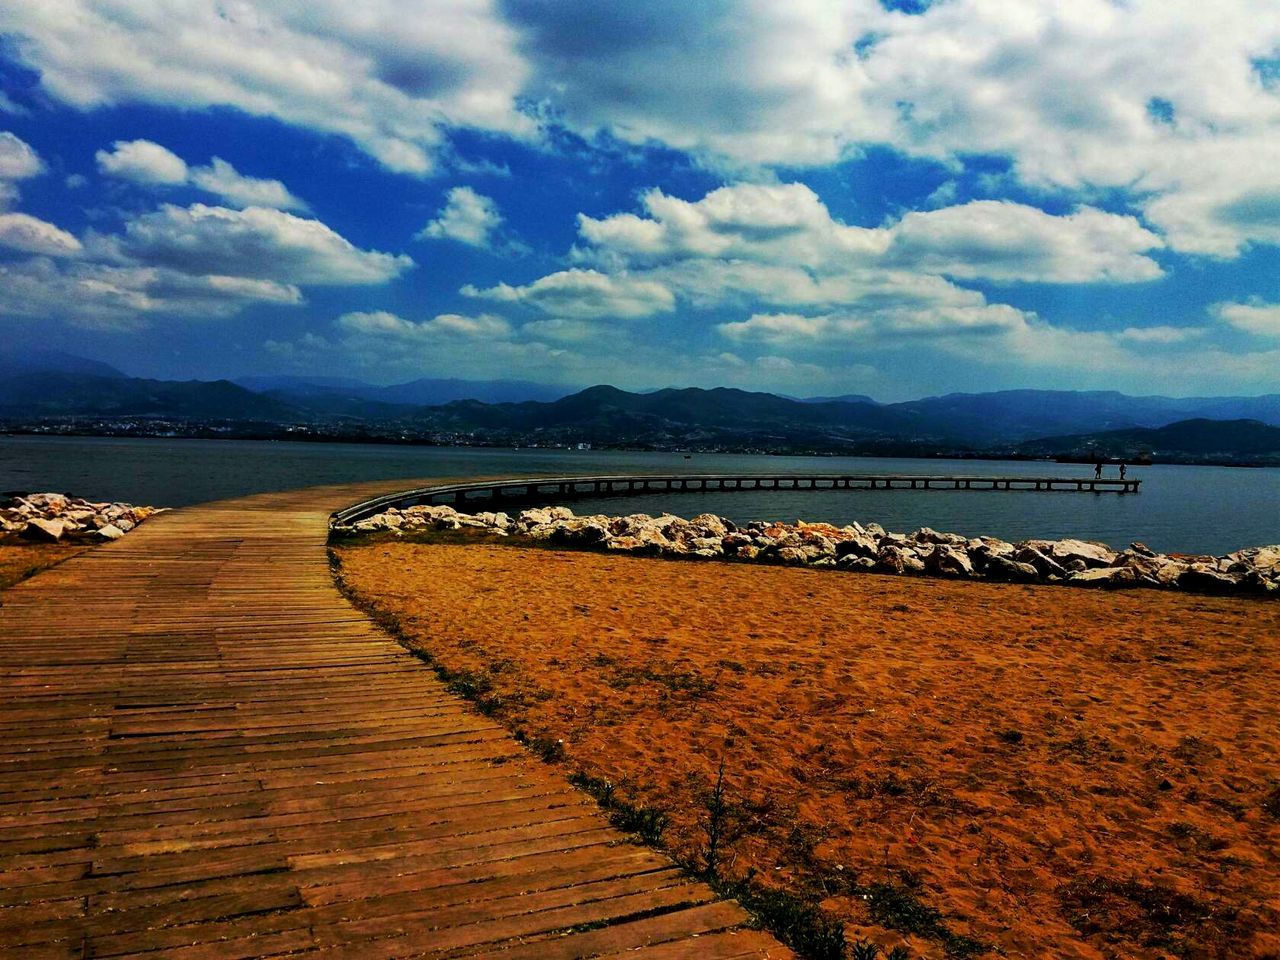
[{"x": 1188, "y": 509}]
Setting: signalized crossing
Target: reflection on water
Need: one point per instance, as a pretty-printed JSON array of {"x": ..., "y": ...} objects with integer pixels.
[{"x": 1191, "y": 509}]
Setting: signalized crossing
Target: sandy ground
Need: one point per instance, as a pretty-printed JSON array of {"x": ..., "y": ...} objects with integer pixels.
[
  {"x": 20, "y": 560},
  {"x": 1058, "y": 772}
]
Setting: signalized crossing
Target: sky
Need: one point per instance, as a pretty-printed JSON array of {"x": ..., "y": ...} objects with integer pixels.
[{"x": 815, "y": 198}]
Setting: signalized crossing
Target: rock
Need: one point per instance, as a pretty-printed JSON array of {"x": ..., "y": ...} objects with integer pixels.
[
  {"x": 1094, "y": 554},
  {"x": 109, "y": 532},
  {"x": 1005, "y": 568},
  {"x": 712, "y": 525},
  {"x": 896, "y": 559},
  {"x": 949, "y": 561},
  {"x": 1202, "y": 579},
  {"x": 747, "y": 552},
  {"x": 1141, "y": 549},
  {"x": 851, "y": 562},
  {"x": 797, "y": 555},
  {"x": 858, "y": 545},
  {"x": 49, "y": 531},
  {"x": 1104, "y": 577},
  {"x": 1045, "y": 565}
]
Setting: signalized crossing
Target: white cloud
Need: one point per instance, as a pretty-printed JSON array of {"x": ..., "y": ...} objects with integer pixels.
[
  {"x": 562, "y": 330},
  {"x": 1256, "y": 317},
  {"x": 998, "y": 240},
  {"x": 1160, "y": 335},
  {"x": 18, "y": 161},
  {"x": 387, "y": 77},
  {"x": 384, "y": 324},
  {"x": 222, "y": 179},
  {"x": 585, "y": 294},
  {"x": 468, "y": 217},
  {"x": 18, "y": 231},
  {"x": 103, "y": 296},
  {"x": 788, "y": 225},
  {"x": 257, "y": 243},
  {"x": 148, "y": 163},
  {"x": 142, "y": 161}
]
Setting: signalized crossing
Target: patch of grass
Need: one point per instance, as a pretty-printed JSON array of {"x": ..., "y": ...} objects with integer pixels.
[
  {"x": 547, "y": 749},
  {"x": 1154, "y": 915},
  {"x": 899, "y": 907},
  {"x": 866, "y": 950},
  {"x": 648, "y": 823},
  {"x": 686, "y": 682},
  {"x": 797, "y": 921}
]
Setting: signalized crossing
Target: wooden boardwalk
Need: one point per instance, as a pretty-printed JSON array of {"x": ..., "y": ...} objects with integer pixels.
[{"x": 207, "y": 754}]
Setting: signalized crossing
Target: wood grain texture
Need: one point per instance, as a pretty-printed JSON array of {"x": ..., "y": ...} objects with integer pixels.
[{"x": 206, "y": 752}]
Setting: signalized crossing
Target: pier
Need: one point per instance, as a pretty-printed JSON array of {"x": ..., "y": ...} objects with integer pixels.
[{"x": 497, "y": 493}]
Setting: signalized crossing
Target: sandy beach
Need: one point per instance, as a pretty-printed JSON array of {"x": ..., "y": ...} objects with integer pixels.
[{"x": 1048, "y": 772}]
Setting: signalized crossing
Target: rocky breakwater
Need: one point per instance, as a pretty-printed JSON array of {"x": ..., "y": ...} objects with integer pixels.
[
  {"x": 54, "y": 517},
  {"x": 1255, "y": 570}
]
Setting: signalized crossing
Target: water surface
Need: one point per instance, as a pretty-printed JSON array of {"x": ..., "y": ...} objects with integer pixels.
[{"x": 1191, "y": 509}]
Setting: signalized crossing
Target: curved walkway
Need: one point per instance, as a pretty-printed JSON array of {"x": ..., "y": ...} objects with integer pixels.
[{"x": 207, "y": 754}]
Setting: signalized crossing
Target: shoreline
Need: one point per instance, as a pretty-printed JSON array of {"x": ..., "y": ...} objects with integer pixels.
[{"x": 1251, "y": 571}]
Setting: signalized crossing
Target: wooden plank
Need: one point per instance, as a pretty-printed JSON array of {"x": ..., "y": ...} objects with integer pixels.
[{"x": 206, "y": 752}]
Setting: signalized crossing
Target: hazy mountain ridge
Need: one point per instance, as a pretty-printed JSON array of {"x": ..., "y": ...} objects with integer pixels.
[
  {"x": 1025, "y": 422},
  {"x": 1185, "y": 440}
]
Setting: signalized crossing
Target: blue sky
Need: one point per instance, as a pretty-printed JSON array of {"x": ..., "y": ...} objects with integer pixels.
[{"x": 815, "y": 198}]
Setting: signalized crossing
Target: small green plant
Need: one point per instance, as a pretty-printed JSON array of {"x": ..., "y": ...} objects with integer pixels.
[
  {"x": 715, "y": 825},
  {"x": 797, "y": 921},
  {"x": 899, "y": 907}
]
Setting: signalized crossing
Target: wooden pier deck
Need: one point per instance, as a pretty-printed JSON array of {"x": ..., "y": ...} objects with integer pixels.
[
  {"x": 208, "y": 754},
  {"x": 487, "y": 494}
]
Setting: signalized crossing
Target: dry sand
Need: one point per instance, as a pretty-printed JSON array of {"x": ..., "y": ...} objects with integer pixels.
[{"x": 1061, "y": 773}]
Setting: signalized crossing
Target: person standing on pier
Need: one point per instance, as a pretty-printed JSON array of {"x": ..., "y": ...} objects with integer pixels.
[
  {"x": 1122, "y": 471},
  {"x": 1097, "y": 470}
]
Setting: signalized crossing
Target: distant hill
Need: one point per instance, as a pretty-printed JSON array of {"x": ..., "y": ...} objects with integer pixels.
[
  {"x": 1010, "y": 416},
  {"x": 1187, "y": 440},
  {"x": 77, "y": 394},
  {"x": 607, "y": 414},
  {"x": 15, "y": 363},
  {"x": 1012, "y": 422},
  {"x": 422, "y": 393},
  {"x": 843, "y": 398}
]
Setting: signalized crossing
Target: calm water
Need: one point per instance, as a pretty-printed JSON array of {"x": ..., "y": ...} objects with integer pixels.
[{"x": 1192, "y": 509}]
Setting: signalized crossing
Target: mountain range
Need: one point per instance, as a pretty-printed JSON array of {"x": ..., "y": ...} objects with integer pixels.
[{"x": 37, "y": 387}]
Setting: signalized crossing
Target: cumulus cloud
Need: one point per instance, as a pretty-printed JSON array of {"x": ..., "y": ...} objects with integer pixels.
[
  {"x": 777, "y": 244},
  {"x": 788, "y": 225},
  {"x": 142, "y": 161},
  {"x": 1164, "y": 102},
  {"x": 18, "y": 161},
  {"x": 468, "y": 217},
  {"x": 452, "y": 325},
  {"x": 257, "y": 243},
  {"x": 1256, "y": 317},
  {"x": 148, "y": 163},
  {"x": 388, "y": 78},
  {"x": 1002, "y": 241},
  {"x": 103, "y": 296},
  {"x": 222, "y": 179},
  {"x": 18, "y": 231},
  {"x": 584, "y": 294}
]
